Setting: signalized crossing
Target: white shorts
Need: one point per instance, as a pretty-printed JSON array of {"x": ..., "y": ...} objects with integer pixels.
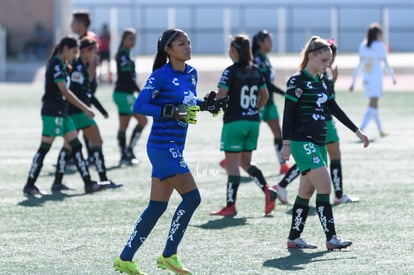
[{"x": 372, "y": 88}]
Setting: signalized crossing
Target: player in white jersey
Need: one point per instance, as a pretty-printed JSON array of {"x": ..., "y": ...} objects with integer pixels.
[{"x": 372, "y": 55}]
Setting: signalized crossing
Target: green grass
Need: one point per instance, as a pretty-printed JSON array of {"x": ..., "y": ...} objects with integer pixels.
[{"x": 73, "y": 233}]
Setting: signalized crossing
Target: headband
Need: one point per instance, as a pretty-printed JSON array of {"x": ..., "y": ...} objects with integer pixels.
[
  {"x": 234, "y": 44},
  {"x": 318, "y": 48},
  {"x": 174, "y": 35}
]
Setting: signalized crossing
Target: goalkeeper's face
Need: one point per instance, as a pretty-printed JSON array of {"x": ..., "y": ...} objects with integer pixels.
[{"x": 180, "y": 48}]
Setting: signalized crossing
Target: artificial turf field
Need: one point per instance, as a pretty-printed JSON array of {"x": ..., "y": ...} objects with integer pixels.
[{"x": 74, "y": 233}]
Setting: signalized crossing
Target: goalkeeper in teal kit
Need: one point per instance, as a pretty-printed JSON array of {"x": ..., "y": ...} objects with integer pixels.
[{"x": 169, "y": 96}]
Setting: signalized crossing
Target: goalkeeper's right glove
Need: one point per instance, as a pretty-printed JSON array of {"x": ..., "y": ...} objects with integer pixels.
[{"x": 181, "y": 112}]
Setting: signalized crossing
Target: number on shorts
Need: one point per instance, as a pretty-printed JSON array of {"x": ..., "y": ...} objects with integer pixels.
[{"x": 309, "y": 148}]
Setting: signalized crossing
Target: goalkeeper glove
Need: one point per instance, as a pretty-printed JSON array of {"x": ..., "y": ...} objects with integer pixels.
[
  {"x": 213, "y": 105},
  {"x": 181, "y": 112}
]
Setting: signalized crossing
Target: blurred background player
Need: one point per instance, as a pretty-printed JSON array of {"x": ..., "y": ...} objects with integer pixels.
[
  {"x": 246, "y": 88},
  {"x": 80, "y": 86},
  {"x": 105, "y": 54},
  {"x": 372, "y": 53},
  {"x": 261, "y": 47},
  {"x": 332, "y": 145},
  {"x": 308, "y": 102},
  {"x": 80, "y": 25},
  {"x": 56, "y": 121},
  {"x": 124, "y": 98}
]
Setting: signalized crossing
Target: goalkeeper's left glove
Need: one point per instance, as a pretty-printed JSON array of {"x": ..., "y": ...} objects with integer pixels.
[{"x": 181, "y": 112}]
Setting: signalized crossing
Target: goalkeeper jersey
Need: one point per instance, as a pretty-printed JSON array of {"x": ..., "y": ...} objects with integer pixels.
[{"x": 167, "y": 86}]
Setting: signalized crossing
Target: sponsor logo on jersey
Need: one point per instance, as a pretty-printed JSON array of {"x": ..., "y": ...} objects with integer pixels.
[
  {"x": 175, "y": 81},
  {"x": 322, "y": 98}
]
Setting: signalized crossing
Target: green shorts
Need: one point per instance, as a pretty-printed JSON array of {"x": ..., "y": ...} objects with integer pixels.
[
  {"x": 332, "y": 133},
  {"x": 124, "y": 102},
  {"x": 54, "y": 126},
  {"x": 238, "y": 136},
  {"x": 269, "y": 112},
  {"x": 308, "y": 155},
  {"x": 82, "y": 121}
]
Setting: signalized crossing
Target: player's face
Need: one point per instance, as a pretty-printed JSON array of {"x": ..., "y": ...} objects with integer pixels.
[
  {"x": 320, "y": 62},
  {"x": 69, "y": 53},
  {"x": 129, "y": 41},
  {"x": 180, "y": 48},
  {"x": 90, "y": 53},
  {"x": 266, "y": 44},
  {"x": 75, "y": 26}
]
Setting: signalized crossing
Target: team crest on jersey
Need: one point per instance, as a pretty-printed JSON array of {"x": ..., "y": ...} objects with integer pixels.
[
  {"x": 298, "y": 92},
  {"x": 155, "y": 94},
  {"x": 316, "y": 159},
  {"x": 193, "y": 80}
]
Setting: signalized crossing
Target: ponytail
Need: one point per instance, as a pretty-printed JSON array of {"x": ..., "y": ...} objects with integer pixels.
[
  {"x": 242, "y": 44},
  {"x": 315, "y": 45},
  {"x": 164, "y": 40}
]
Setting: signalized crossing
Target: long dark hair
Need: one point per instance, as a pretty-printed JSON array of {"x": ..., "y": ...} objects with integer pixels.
[
  {"x": 164, "y": 40},
  {"x": 67, "y": 41},
  {"x": 259, "y": 37},
  {"x": 242, "y": 44},
  {"x": 372, "y": 34}
]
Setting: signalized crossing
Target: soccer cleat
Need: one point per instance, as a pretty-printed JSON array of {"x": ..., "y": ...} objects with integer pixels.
[
  {"x": 270, "y": 203},
  {"x": 133, "y": 159},
  {"x": 172, "y": 264},
  {"x": 384, "y": 134},
  {"x": 93, "y": 186},
  {"x": 345, "y": 199},
  {"x": 110, "y": 184},
  {"x": 59, "y": 187},
  {"x": 337, "y": 243},
  {"x": 31, "y": 190},
  {"x": 284, "y": 168},
  {"x": 273, "y": 193},
  {"x": 227, "y": 211},
  {"x": 223, "y": 163},
  {"x": 300, "y": 243},
  {"x": 281, "y": 193},
  {"x": 128, "y": 267}
]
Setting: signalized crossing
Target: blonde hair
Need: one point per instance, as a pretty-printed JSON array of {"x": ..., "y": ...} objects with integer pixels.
[{"x": 315, "y": 45}]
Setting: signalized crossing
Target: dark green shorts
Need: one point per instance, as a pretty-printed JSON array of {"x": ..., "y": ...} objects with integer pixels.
[
  {"x": 124, "y": 102},
  {"x": 238, "y": 136},
  {"x": 53, "y": 126},
  {"x": 308, "y": 155},
  {"x": 82, "y": 121},
  {"x": 269, "y": 112},
  {"x": 332, "y": 133}
]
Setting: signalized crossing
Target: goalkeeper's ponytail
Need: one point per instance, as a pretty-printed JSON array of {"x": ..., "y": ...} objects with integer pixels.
[{"x": 164, "y": 40}]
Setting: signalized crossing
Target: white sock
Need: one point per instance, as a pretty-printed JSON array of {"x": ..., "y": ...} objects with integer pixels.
[
  {"x": 377, "y": 120},
  {"x": 367, "y": 117}
]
